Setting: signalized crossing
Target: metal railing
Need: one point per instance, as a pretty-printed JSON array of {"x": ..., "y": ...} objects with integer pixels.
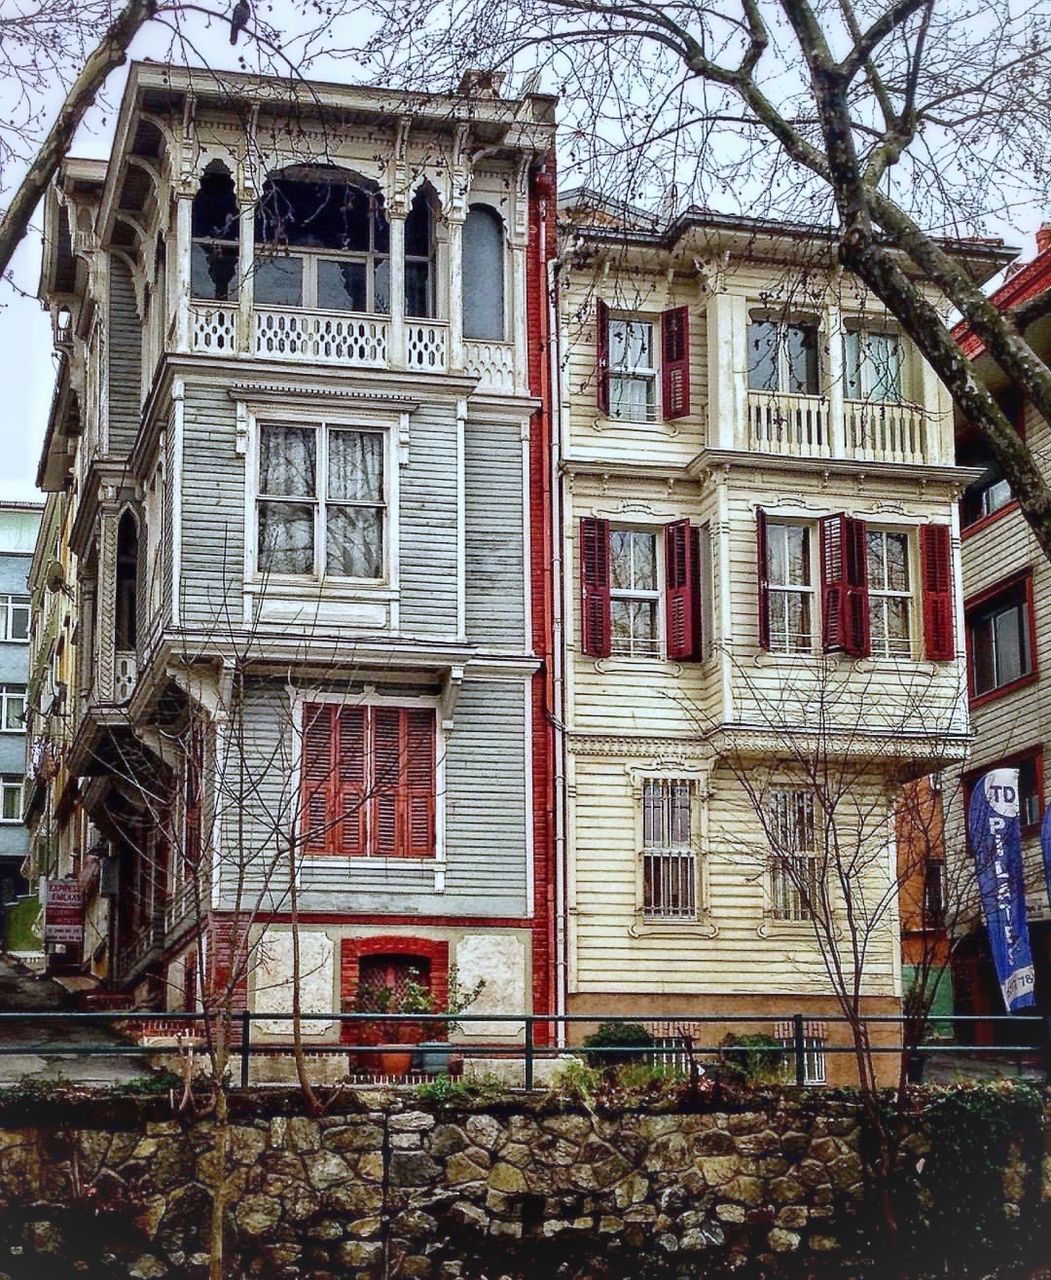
[{"x": 198, "y": 1030}]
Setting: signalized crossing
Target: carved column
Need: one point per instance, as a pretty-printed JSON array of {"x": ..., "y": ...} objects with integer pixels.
[
  {"x": 518, "y": 240},
  {"x": 836, "y": 383},
  {"x": 183, "y": 235},
  {"x": 245, "y": 271},
  {"x": 455, "y": 295},
  {"x": 106, "y": 604},
  {"x": 396, "y": 356}
]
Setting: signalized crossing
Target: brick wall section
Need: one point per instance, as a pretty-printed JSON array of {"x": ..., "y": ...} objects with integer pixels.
[{"x": 352, "y": 950}]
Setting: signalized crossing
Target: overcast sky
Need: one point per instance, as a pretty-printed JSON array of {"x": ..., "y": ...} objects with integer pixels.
[{"x": 27, "y": 365}]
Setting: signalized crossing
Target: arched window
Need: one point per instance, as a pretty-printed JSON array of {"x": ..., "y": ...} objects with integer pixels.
[
  {"x": 419, "y": 255},
  {"x": 213, "y": 252},
  {"x": 323, "y": 242},
  {"x": 483, "y": 274},
  {"x": 127, "y": 582}
]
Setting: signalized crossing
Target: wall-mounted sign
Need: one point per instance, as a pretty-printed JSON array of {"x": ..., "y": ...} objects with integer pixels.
[{"x": 63, "y": 912}]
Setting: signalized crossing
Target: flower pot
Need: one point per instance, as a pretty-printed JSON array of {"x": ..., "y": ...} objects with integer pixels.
[
  {"x": 435, "y": 1056},
  {"x": 395, "y": 1062}
]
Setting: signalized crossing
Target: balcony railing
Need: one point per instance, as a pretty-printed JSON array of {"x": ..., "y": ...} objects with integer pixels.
[
  {"x": 492, "y": 363},
  {"x": 788, "y": 424},
  {"x": 883, "y": 431},
  {"x": 804, "y": 427}
]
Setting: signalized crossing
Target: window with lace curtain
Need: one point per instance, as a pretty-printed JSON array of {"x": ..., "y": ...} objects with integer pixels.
[{"x": 321, "y": 502}]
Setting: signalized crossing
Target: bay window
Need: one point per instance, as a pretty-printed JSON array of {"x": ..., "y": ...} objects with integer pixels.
[{"x": 321, "y": 507}]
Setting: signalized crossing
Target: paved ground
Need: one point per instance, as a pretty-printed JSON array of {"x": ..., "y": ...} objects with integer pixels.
[{"x": 24, "y": 992}]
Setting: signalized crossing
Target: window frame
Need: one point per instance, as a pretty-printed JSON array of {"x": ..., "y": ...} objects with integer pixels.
[
  {"x": 650, "y": 373},
  {"x": 1033, "y": 754},
  {"x": 377, "y": 698},
  {"x": 865, "y": 330},
  {"x": 984, "y": 600},
  {"x": 877, "y": 595},
  {"x": 800, "y": 915},
  {"x": 11, "y": 782},
  {"x": 813, "y": 590},
  {"x": 654, "y": 596},
  {"x": 320, "y": 502},
  {"x": 10, "y": 603},
  {"x": 782, "y": 362},
  {"x": 6, "y": 697},
  {"x": 671, "y": 850}
]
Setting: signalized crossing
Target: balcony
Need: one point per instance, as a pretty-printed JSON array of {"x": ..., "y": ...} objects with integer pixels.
[
  {"x": 803, "y": 426},
  {"x": 492, "y": 363}
]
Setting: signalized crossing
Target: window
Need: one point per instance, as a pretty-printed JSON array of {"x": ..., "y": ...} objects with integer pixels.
[
  {"x": 783, "y": 357},
  {"x": 632, "y": 371},
  {"x": 669, "y": 861},
  {"x": 329, "y": 244},
  {"x": 999, "y": 632},
  {"x": 483, "y": 274},
  {"x": 1030, "y": 766},
  {"x": 369, "y": 780},
  {"x": 634, "y": 593},
  {"x": 890, "y": 599},
  {"x": 215, "y": 232},
  {"x": 335, "y": 528},
  {"x": 10, "y": 798},
  {"x": 127, "y": 580},
  {"x": 790, "y": 573},
  {"x": 872, "y": 361},
  {"x": 419, "y": 256},
  {"x": 934, "y": 894},
  {"x": 792, "y": 834},
  {"x": 12, "y": 708},
  {"x": 815, "y": 1036},
  {"x": 14, "y": 617},
  {"x": 988, "y": 494}
]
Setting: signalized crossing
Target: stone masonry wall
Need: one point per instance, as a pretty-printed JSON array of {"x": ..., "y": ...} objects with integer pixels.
[{"x": 388, "y": 1187}]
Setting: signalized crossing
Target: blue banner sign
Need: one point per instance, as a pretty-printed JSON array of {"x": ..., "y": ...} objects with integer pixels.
[
  {"x": 1045, "y": 845},
  {"x": 995, "y": 829}
]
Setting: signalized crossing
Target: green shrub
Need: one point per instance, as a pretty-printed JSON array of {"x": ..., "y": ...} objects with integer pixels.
[
  {"x": 757, "y": 1059},
  {"x": 617, "y": 1035}
]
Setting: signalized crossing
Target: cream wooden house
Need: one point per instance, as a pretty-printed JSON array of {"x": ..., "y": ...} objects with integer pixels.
[{"x": 762, "y": 617}]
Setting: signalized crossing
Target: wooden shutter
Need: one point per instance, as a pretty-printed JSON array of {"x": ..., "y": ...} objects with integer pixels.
[
  {"x": 419, "y": 783},
  {"x": 387, "y": 768},
  {"x": 316, "y": 769},
  {"x": 762, "y": 578},
  {"x": 936, "y": 572},
  {"x": 680, "y": 589},
  {"x": 602, "y": 356},
  {"x": 594, "y": 583},
  {"x": 675, "y": 362},
  {"x": 844, "y": 586},
  {"x": 857, "y": 632},
  {"x": 350, "y": 786}
]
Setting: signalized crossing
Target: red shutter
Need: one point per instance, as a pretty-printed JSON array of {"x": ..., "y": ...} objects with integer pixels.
[
  {"x": 316, "y": 768},
  {"x": 419, "y": 785},
  {"x": 857, "y": 639},
  {"x": 833, "y": 585},
  {"x": 700, "y": 585},
  {"x": 936, "y": 571},
  {"x": 602, "y": 356},
  {"x": 594, "y": 583},
  {"x": 844, "y": 586},
  {"x": 763, "y": 578},
  {"x": 387, "y": 768},
  {"x": 350, "y": 781},
  {"x": 675, "y": 362},
  {"x": 680, "y": 573}
]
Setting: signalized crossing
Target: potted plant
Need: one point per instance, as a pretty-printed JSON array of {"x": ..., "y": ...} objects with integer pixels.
[
  {"x": 411, "y": 996},
  {"x": 437, "y": 1055}
]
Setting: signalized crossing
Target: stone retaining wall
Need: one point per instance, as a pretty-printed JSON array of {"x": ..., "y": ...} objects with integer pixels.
[{"x": 393, "y": 1188}]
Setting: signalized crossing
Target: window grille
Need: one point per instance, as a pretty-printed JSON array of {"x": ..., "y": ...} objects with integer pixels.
[
  {"x": 792, "y": 834},
  {"x": 815, "y": 1035},
  {"x": 668, "y": 855}
]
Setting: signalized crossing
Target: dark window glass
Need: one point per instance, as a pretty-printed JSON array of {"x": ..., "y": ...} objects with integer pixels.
[
  {"x": 215, "y": 213},
  {"x": 418, "y": 236},
  {"x": 483, "y": 275},
  {"x": 279, "y": 282},
  {"x": 762, "y": 355},
  {"x": 999, "y": 633},
  {"x": 341, "y": 286},
  {"x": 213, "y": 272},
  {"x": 417, "y": 288},
  {"x": 801, "y": 343}
]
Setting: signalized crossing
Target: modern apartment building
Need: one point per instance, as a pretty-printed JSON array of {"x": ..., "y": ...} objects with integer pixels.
[
  {"x": 18, "y": 530},
  {"x": 763, "y": 617},
  {"x": 298, "y": 457}
]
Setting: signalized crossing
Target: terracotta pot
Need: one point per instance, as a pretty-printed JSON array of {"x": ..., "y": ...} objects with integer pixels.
[{"x": 395, "y": 1063}]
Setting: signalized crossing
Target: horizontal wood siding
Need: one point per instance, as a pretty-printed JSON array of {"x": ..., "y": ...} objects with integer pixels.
[
  {"x": 428, "y": 525},
  {"x": 212, "y": 510},
  {"x": 485, "y": 827},
  {"x": 124, "y": 347},
  {"x": 494, "y": 553}
]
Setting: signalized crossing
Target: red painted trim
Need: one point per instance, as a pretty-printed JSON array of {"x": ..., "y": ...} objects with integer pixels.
[
  {"x": 1024, "y": 576},
  {"x": 968, "y": 530},
  {"x": 1032, "y": 279},
  {"x": 1014, "y": 760},
  {"x": 353, "y": 950},
  {"x": 541, "y": 249}
]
